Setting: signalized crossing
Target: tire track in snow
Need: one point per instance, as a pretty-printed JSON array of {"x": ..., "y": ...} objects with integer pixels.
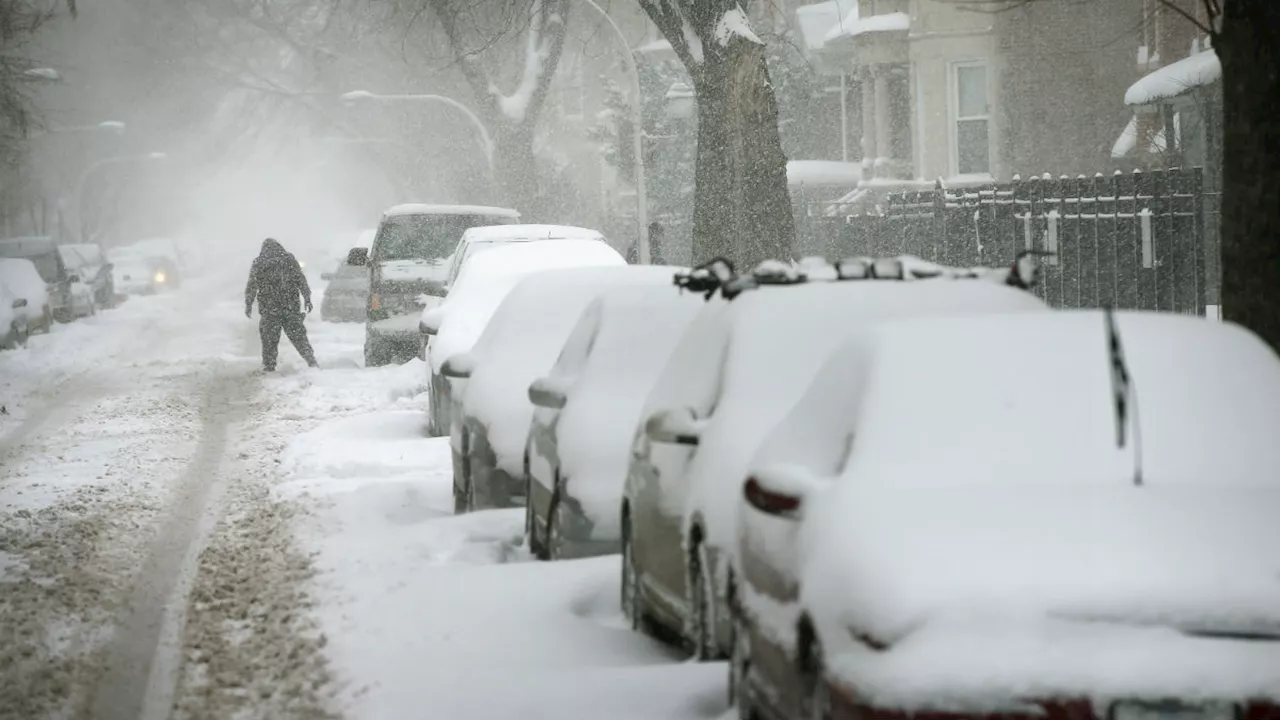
[{"x": 143, "y": 659}]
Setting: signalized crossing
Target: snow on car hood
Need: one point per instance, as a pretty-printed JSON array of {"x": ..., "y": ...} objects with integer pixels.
[{"x": 414, "y": 272}]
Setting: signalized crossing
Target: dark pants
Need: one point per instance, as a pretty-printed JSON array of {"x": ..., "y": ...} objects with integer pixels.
[{"x": 269, "y": 328}]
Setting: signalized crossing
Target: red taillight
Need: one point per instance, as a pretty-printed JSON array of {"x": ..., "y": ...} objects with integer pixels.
[
  {"x": 767, "y": 501},
  {"x": 375, "y": 302}
]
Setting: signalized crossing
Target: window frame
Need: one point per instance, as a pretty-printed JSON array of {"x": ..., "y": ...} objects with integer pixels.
[{"x": 954, "y": 118}]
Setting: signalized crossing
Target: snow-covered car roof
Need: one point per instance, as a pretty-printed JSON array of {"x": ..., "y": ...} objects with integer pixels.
[
  {"x": 751, "y": 359},
  {"x": 518, "y": 233},
  {"x": 487, "y": 279},
  {"x": 26, "y": 247},
  {"x": 24, "y": 281},
  {"x": 426, "y": 209},
  {"x": 523, "y": 338},
  {"x": 635, "y": 331},
  {"x": 1013, "y": 502}
]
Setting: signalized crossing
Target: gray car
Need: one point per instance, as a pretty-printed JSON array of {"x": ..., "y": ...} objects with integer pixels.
[{"x": 346, "y": 296}]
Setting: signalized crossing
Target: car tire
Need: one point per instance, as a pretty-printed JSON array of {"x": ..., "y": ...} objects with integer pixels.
[
  {"x": 817, "y": 696},
  {"x": 700, "y": 624},
  {"x": 632, "y": 604}
]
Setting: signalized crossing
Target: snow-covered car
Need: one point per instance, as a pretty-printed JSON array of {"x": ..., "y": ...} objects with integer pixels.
[
  {"x": 20, "y": 277},
  {"x": 454, "y": 326},
  {"x": 736, "y": 371},
  {"x": 1054, "y": 515},
  {"x": 408, "y": 265},
  {"x": 168, "y": 264},
  {"x": 490, "y": 421},
  {"x": 346, "y": 293},
  {"x": 134, "y": 275},
  {"x": 586, "y": 410},
  {"x": 13, "y": 319},
  {"x": 480, "y": 239},
  {"x": 88, "y": 263},
  {"x": 67, "y": 296}
]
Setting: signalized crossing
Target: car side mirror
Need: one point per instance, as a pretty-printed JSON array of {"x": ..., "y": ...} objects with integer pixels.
[
  {"x": 550, "y": 393},
  {"x": 326, "y": 276},
  {"x": 780, "y": 490},
  {"x": 19, "y": 303},
  {"x": 358, "y": 256},
  {"x": 459, "y": 366},
  {"x": 431, "y": 321},
  {"x": 674, "y": 427}
]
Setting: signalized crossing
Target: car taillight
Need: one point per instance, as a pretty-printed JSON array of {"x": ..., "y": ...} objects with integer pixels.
[
  {"x": 375, "y": 302},
  {"x": 767, "y": 501}
]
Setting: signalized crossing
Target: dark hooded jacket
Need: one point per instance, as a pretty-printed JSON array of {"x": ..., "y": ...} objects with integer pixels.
[{"x": 276, "y": 281}]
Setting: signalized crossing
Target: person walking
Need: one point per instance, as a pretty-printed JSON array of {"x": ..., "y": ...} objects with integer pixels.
[{"x": 277, "y": 283}]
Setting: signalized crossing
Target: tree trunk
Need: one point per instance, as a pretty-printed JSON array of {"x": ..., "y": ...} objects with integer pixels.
[
  {"x": 516, "y": 171},
  {"x": 742, "y": 208},
  {"x": 1249, "y": 48}
]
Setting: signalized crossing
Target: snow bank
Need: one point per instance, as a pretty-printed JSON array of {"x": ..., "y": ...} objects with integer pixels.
[
  {"x": 1030, "y": 512},
  {"x": 1175, "y": 79},
  {"x": 521, "y": 342},
  {"x": 639, "y": 328},
  {"x": 853, "y": 26},
  {"x": 487, "y": 279},
  {"x": 823, "y": 172}
]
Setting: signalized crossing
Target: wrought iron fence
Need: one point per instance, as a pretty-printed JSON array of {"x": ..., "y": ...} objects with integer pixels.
[{"x": 1130, "y": 240}]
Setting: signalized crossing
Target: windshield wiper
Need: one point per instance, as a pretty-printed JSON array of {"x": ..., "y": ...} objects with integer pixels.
[{"x": 1123, "y": 394}]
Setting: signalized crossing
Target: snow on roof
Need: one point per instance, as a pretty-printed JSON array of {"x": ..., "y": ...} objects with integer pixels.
[
  {"x": 639, "y": 328},
  {"x": 529, "y": 232},
  {"x": 823, "y": 172},
  {"x": 487, "y": 278},
  {"x": 26, "y": 246},
  {"x": 1175, "y": 79},
  {"x": 853, "y": 26},
  {"x": 523, "y": 338},
  {"x": 817, "y": 19},
  {"x": 424, "y": 209},
  {"x": 733, "y": 23},
  {"x": 24, "y": 281},
  {"x": 1024, "y": 508}
]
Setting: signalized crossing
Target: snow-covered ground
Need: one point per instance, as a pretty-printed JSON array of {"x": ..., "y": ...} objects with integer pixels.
[{"x": 182, "y": 536}]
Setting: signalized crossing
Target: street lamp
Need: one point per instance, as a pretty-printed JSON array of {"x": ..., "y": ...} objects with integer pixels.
[
  {"x": 637, "y": 137},
  {"x": 485, "y": 140}
]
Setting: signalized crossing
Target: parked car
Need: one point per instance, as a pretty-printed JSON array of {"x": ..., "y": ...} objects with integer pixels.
[
  {"x": 346, "y": 294},
  {"x": 68, "y": 297},
  {"x": 1028, "y": 522},
  {"x": 13, "y": 319},
  {"x": 408, "y": 265},
  {"x": 168, "y": 264},
  {"x": 89, "y": 263},
  {"x": 454, "y": 326},
  {"x": 586, "y": 410},
  {"x": 479, "y": 239},
  {"x": 490, "y": 422},
  {"x": 20, "y": 277},
  {"x": 737, "y": 370}
]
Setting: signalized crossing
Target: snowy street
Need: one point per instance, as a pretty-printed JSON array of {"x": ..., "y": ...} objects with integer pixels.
[{"x": 182, "y": 536}]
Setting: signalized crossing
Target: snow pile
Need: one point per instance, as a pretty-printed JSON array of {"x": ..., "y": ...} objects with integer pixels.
[
  {"x": 521, "y": 342},
  {"x": 823, "y": 172},
  {"x": 853, "y": 26},
  {"x": 487, "y": 279},
  {"x": 1031, "y": 516},
  {"x": 639, "y": 328},
  {"x": 734, "y": 24},
  {"x": 1175, "y": 79}
]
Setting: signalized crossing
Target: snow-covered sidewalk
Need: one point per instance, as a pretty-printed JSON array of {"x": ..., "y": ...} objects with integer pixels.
[{"x": 430, "y": 615}]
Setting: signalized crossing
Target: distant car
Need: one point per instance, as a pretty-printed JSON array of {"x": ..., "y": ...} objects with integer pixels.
[
  {"x": 587, "y": 407},
  {"x": 13, "y": 319},
  {"x": 162, "y": 254},
  {"x": 454, "y": 326},
  {"x": 490, "y": 422},
  {"x": 89, "y": 264},
  {"x": 134, "y": 275},
  {"x": 346, "y": 294},
  {"x": 739, "y": 367},
  {"x": 997, "y": 516},
  {"x": 69, "y": 298},
  {"x": 479, "y": 239},
  {"x": 21, "y": 279},
  {"x": 408, "y": 266}
]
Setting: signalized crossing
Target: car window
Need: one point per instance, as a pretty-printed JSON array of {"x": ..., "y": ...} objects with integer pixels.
[{"x": 422, "y": 237}]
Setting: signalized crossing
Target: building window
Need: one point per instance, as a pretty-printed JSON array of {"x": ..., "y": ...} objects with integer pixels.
[{"x": 971, "y": 130}]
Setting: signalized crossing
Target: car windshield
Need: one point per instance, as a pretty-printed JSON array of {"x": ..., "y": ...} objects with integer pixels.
[{"x": 423, "y": 237}]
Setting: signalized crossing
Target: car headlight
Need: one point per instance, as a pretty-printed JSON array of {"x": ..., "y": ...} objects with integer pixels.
[{"x": 160, "y": 276}]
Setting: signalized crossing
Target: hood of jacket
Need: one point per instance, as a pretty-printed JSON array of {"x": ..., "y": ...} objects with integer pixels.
[{"x": 271, "y": 248}]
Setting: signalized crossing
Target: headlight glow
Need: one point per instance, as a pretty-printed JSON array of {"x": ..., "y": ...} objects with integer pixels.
[{"x": 160, "y": 276}]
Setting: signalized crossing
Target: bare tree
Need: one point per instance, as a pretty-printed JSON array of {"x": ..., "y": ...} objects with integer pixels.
[
  {"x": 742, "y": 208},
  {"x": 1246, "y": 37}
]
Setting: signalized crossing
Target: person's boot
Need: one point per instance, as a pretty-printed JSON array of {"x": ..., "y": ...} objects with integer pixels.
[{"x": 311, "y": 362}]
